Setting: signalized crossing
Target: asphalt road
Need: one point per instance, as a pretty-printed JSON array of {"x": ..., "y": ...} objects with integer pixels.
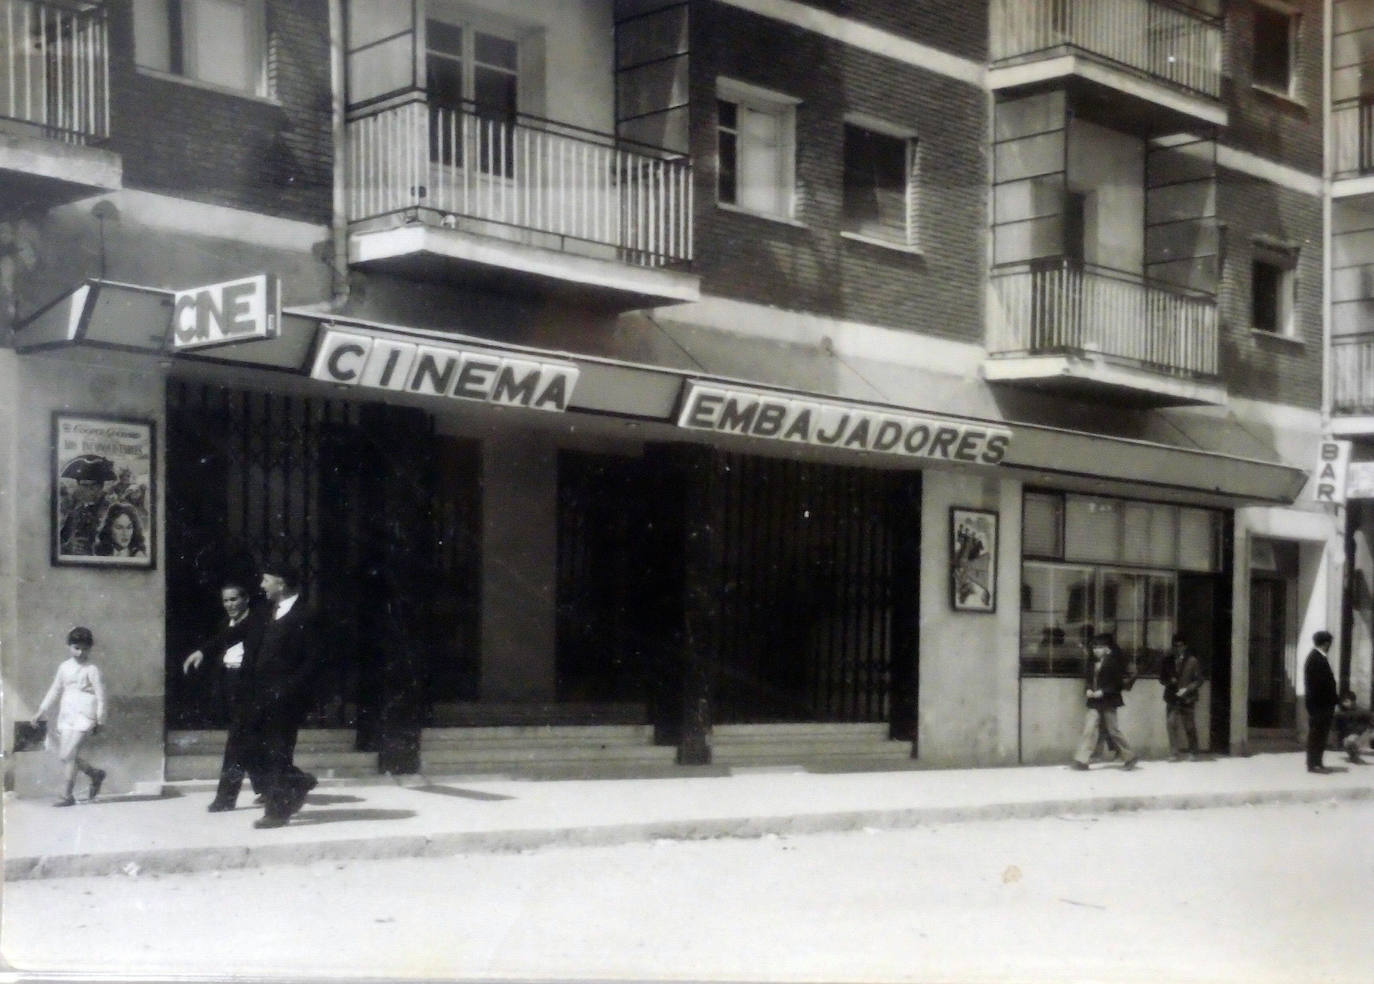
[{"x": 1253, "y": 894}]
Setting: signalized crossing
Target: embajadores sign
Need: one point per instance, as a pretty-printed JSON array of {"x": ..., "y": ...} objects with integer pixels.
[{"x": 759, "y": 413}]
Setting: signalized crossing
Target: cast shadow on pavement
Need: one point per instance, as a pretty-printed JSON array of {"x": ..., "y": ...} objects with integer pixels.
[
  {"x": 471, "y": 794},
  {"x": 310, "y": 818},
  {"x": 322, "y": 799}
]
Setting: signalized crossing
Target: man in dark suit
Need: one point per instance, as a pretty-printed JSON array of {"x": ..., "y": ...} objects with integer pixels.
[
  {"x": 280, "y": 674},
  {"x": 1108, "y": 673},
  {"x": 238, "y": 633},
  {"x": 1321, "y": 697}
]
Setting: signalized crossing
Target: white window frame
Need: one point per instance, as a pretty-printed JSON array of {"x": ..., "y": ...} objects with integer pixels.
[
  {"x": 254, "y": 55},
  {"x": 911, "y": 240},
  {"x": 784, "y": 108},
  {"x": 1294, "y": 17}
]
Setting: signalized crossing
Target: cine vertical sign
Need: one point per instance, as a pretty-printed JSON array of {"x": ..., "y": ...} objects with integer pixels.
[
  {"x": 1333, "y": 457},
  {"x": 220, "y": 314}
]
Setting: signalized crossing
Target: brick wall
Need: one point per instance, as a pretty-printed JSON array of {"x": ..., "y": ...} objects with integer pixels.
[
  {"x": 957, "y": 26},
  {"x": 266, "y": 155},
  {"x": 808, "y": 265},
  {"x": 1256, "y": 364},
  {"x": 1281, "y": 129}
]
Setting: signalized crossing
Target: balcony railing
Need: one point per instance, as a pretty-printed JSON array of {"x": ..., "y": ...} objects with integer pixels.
[
  {"x": 554, "y": 181},
  {"x": 1058, "y": 307},
  {"x": 1352, "y": 137},
  {"x": 54, "y": 75},
  {"x": 1149, "y": 36},
  {"x": 1352, "y": 374}
]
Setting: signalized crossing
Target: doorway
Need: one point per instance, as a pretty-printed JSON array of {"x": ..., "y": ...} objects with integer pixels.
[{"x": 1272, "y": 697}]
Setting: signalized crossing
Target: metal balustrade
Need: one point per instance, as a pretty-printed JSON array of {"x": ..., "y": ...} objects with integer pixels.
[
  {"x": 1352, "y": 373},
  {"x": 54, "y": 71},
  {"x": 1159, "y": 39},
  {"x": 1062, "y": 307},
  {"x": 462, "y": 166},
  {"x": 1352, "y": 137}
]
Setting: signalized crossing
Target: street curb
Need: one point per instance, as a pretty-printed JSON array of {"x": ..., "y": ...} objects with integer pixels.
[{"x": 199, "y": 859}]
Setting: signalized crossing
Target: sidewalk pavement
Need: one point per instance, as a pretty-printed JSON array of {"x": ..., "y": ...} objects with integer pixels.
[{"x": 414, "y": 816}]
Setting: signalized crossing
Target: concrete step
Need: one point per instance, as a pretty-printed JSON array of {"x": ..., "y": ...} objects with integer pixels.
[
  {"x": 801, "y": 748},
  {"x": 212, "y": 742},
  {"x": 542, "y": 733},
  {"x": 179, "y": 768},
  {"x": 477, "y": 714},
  {"x": 545, "y": 754},
  {"x": 565, "y": 770},
  {"x": 876, "y": 729}
]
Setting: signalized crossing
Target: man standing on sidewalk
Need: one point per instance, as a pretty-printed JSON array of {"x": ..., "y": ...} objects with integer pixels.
[
  {"x": 1181, "y": 674},
  {"x": 280, "y": 673},
  {"x": 1320, "y": 696},
  {"x": 1106, "y": 678}
]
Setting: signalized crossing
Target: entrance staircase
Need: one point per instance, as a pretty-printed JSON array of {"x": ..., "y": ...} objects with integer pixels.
[
  {"x": 546, "y": 751},
  {"x": 325, "y": 753},
  {"x": 813, "y": 746}
]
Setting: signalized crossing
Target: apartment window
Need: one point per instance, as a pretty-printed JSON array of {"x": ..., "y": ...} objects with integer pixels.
[
  {"x": 755, "y": 132},
  {"x": 472, "y": 78},
  {"x": 880, "y": 185},
  {"x": 1275, "y": 50},
  {"x": 1273, "y": 285},
  {"x": 219, "y": 42}
]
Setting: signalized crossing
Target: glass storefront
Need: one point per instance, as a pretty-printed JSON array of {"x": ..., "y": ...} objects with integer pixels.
[{"x": 1095, "y": 564}]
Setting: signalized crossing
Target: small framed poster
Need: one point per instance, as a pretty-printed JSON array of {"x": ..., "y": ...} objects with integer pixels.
[
  {"x": 973, "y": 560},
  {"x": 104, "y": 491}
]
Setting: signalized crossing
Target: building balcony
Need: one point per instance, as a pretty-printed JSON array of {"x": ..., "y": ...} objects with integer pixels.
[
  {"x": 54, "y": 103},
  {"x": 1155, "y": 62},
  {"x": 1102, "y": 334},
  {"x": 518, "y": 202},
  {"x": 1352, "y": 383},
  {"x": 1352, "y": 147}
]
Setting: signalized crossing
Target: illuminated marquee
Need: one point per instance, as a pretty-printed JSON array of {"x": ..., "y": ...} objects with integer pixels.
[
  {"x": 757, "y": 413},
  {"x": 350, "y": 358}
]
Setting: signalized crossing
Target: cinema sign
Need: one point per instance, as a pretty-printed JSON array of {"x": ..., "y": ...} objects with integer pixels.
[
  {"x": 436, "y": 368},
  {"x": 759, "y": 413},
  {"x": 219, "y": 314}
]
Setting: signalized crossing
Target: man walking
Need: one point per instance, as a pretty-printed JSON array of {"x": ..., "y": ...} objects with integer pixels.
[
  {"x": 1320, "y": 696},
  {"x": 279, "y": 675},
  {"x": 238, "y": 633},
  {"x": 1181, "y": 674},
  {"x": 1106, "y": 677}
]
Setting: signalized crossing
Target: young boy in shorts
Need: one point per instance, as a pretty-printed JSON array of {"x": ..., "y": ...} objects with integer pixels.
[{"x": 79, "y": 695}]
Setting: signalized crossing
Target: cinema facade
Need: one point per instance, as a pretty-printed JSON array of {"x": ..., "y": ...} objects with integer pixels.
[{"x": 645, "y": 550}]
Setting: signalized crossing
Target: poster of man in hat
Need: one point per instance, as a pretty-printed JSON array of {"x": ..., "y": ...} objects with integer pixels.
[{"x": 103, "y": 491}]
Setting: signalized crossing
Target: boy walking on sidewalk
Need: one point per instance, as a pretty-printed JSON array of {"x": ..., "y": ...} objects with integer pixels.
[{"x": 79, "y": 695}]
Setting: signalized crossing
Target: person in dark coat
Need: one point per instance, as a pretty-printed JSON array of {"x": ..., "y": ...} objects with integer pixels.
[
  {"x": 237, "y": 633},
  {"x": 1108, "y": 674},
  {"x": 279, "y": 678},
  {"x": 1320, "y": 696},
  {"x": 1181, "y": 675}
]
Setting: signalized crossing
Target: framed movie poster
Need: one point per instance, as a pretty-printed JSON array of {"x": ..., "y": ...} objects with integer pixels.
[
  {"x": 104, "y": 491},
  {"x": 973, "y": 560}
]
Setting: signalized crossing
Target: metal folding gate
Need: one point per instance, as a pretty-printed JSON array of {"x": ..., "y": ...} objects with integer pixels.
[
  {"x": 377, "y": 512},
  {"x": 818, "y": 592}
]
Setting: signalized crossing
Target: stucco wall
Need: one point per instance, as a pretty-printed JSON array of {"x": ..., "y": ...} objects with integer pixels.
[
  {"x": 968, "y": 672},
  {"x": 41, "y": 602},
  {"x": 1052, "y": 714}
]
